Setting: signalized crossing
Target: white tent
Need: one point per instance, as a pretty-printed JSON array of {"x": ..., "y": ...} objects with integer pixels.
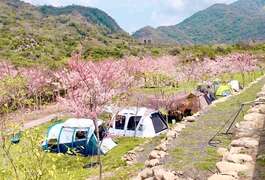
[
  {"x": 139, "y": 122},
  {"x": 235, "y": 85}
]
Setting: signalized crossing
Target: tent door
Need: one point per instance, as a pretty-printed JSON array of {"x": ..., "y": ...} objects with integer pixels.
[
  {"x": 120, "y": 125},
  {"x": 132, "y": 126}
]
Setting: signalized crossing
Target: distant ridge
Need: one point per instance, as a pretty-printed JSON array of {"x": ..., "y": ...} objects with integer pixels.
[{"x": 243, "y": 20}]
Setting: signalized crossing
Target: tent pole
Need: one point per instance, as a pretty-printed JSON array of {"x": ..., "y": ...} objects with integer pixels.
[{"x": 58, "y": 142}]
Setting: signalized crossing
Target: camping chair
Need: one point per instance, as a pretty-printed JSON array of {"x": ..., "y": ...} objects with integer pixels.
[{"x": 15, "y": 139}]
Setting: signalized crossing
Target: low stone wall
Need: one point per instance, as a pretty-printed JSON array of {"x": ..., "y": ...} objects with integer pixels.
[
  {"x": 153, "y": 166},
  {"x": 239, "y": 159}
]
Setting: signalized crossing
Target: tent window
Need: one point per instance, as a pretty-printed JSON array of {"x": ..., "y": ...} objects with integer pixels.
[
  {"x": 120, "y": 122},
  {"x": 133, "y": 122},
  {"x": 159, "y": 122},
  {"x": 80, "y": 135}
]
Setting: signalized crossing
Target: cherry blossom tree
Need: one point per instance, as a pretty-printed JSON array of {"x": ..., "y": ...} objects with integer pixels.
[
  {"x": 39, "y": 80},
  {"x": 91, "y": 86},
  {"x": 7, "y": 69},
  {"x": 244, "y": 63}
]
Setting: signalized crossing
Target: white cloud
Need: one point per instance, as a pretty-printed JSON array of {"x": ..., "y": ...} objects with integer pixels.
[{"x": 176, "y": 4}]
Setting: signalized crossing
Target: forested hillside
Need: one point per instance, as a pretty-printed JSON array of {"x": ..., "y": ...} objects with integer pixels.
[
  {"x": 243, "y": 20},
  {"x": 48, "y": 35}
]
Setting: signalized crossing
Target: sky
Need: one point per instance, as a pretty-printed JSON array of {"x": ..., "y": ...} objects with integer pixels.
[{"x": 132, "y": 15}]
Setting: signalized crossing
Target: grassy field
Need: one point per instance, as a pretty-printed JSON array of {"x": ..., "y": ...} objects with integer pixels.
[
  {"x": 245, "y": 78},
  {"x": 60, "y": 166},
  {"x": 29, "y": 158}
]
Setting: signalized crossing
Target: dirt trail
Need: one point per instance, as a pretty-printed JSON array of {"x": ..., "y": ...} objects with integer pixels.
[
  {"x": 30, "y": 119},
  {"x": 190, "y": 152}
]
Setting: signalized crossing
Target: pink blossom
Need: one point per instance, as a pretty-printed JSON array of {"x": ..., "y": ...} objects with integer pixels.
[{"x": 93, "y": 85}]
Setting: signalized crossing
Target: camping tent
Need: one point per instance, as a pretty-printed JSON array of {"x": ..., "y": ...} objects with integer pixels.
[
  {"x": 139, "y": 122},
  {"x": 224, "y": 90},
  {"x": 186, "y": 104},
  {"x": 235, "y": 85},
  {"x": 77, "y": 134}
]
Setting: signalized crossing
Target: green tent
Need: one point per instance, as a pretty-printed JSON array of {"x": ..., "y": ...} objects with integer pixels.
[{"x": 224, "y": 90}]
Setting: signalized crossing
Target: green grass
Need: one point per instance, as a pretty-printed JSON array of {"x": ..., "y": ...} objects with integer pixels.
[
  {"x": 210, "y": 160},
  {"x": 191, "y": 85},
  {"x": 261, "y": 159},
  {"x": 66, "y": 166}
]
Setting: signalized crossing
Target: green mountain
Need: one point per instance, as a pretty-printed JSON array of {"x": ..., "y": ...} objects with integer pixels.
[
  {"x": 48, "y": 35},
  {"x": 92, "y": 15},
  {"x": 243, "y": 20}
]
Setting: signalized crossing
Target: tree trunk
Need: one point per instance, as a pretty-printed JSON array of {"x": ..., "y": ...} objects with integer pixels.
[{"x": 98, "y": 149}]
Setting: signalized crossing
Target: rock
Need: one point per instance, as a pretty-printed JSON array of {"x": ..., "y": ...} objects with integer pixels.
[
  {"x": 258, "y": 109},
  {"x": 236, "y": 150},
  {"x": 161, "y": 147},
  {"x": 146, "y": 173},
  {"x": 159, "y": 172},
  {"x": 254, "y": 124},
  {"x": 254, "y": 116},
  {"x": 131, "y": 153},
  {"x": 162, "y": 154},
  {"x": 241, "y": 132},
  {"x": 130, "y": 156},
  {"x": 152, "y": 163},
  {"x": 165, "y": 142},
  {"x": 221, "y": 177},
  {"x": 154, "y": 155},
  {"x": 260, "y": 99},
  {"x": 180, "y": 173},
  {"x": 222, "y": 151},
  {"x": 239, "y": 158},
  {"x": 150, "y": 178},
  {"x": 230, "y": 168},
  {"x": 190, "y": 119},
  {"x": 245, "y": 142},
  {"x": 169, "y": 176},
  {"x": 171, "y": 134},
  {"x": 261, "y": 94},
  {"x": 130, "y": 163},
  {"x": 162, "y": 174}
]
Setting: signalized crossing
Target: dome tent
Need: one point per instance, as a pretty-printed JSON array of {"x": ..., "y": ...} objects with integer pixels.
[
  {"x": 224, "y": 90},
  {"x": 235, "y": 85},
  {"x": 139, "y": 122},
  {"x": 77, "y": 134}
]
